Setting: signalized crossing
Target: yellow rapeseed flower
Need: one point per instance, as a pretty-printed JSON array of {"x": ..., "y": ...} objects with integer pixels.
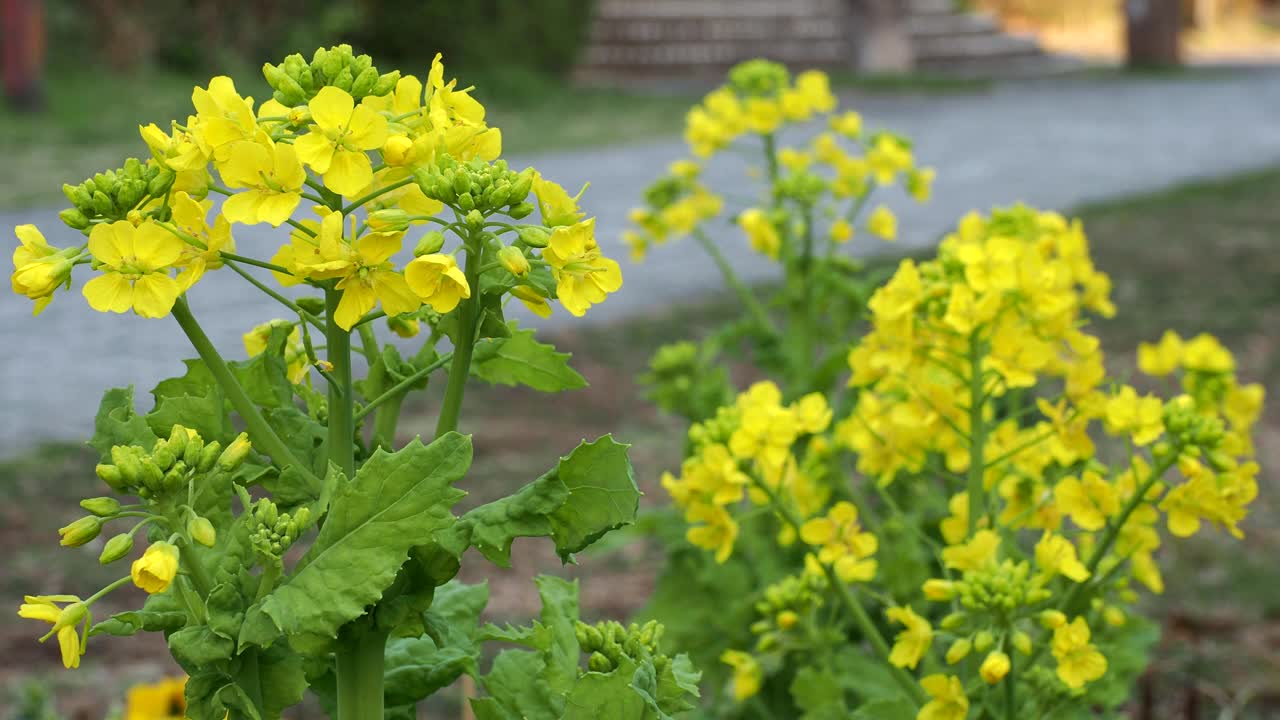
[
  {"x": 135, "y": 265},
  {"x": 223, "y": 116},
  {"x": 38, "y": 267},
  {"x": 156, "y": 569},
  {"x": 189, "y": 216},
  {"x": 913, "y": 642},
  {"x": 437, "y": 279},
  {"x": 760, "y": 231},
  {"x": 583, "y": 276},
  {"x": 748, "y": 676},
  {"x": 1057, "y": 556},
  {"x": 1161, "y": 358},
  {"x": 270, "y": 179},
  {"x": 64, "y": 621},
  {"x": 994, "y": 667},
  {"x": 1079, "y": 662},
  {"x": 336, "y": 147},
  {"x": 948, "y": 701},
  {"x": 163, "y": 700},
  {"x": 975, "y": 554}
]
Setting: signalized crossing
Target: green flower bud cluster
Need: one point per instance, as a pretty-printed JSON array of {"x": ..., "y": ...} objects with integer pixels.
[
  {"x": 717, "y": 429},
  {"x": 608, "y": 644},
  {"x": 110, "y": 195},
  {"x": 295, "y": 81},
  {"x": 487, "y": 188},
  {"x": 759, "y": 78},
  {"x": 170, "y": 465},
  {"x": 665, "y": 191},
  {"x": 802, "y": 187},
  {"x": 1000, "y": 589},
  {"x": 684, "y": 380},
  {"x": 782, "y": 606},
  {"x": 1189, "y": 429},
  {"x": 273, "y": 532}
]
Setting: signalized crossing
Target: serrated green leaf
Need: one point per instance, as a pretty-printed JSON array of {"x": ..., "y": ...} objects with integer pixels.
[
  {"x": 397, "y": 500},
  {"x": 118, "y": 423},
  {"x": 818, "y": 694},
  {"x": 280, "y": 678},
  {"x": 602, "y": 494},
  {"x": 521, "y": 360},
  {"x": 197, "y": 646},
  {"x": 606, "y": 695},
  {"x": 492, "y": 527},
  {"x": 162, "y": 612}
]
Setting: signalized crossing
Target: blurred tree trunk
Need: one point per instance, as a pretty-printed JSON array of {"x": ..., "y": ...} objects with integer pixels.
[
  {"x": 1152, "y": 34},
  {"x": 881, "y": 43},
  {"x": 22, "y": 53}
]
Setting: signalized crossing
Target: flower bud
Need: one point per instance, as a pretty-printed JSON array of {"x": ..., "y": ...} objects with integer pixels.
[
  {"x": 398, "y": 151},
  {"x": 1053, "y": 619},
  {"x": 959, "y": 650},
  {"x": 163, "y": 455},
  {"x": 995, "y": 667},
  {"x": 520, "y": 211},
  {"x": 514, "y": 261},
  {"x": 599, "y": 663},
  {"x": 209, "y": 456},
  {"x": 787, "y": 619},
  {"x": 364, "y": 82},
  {"x": 385, "y": 84},
  {"x": 80, "y": 532},
  {"x": 160, "y": 184},
  {"x": 156, "y": 569},
  {"x": 1022, "y": 642},
  {"x": 74, "y": 219},
  {"x": 405, "y": 327},
  {"x": 201, "y": 530},
  {"x": 983, "y": 640},
  {"x": 70, "y": 616},
  {"x": 952, "y": 621},
  {"x": 939, "y": 590},
  {"x": 101, "y": 506},
  {"x": 388, "y": 220},
  {"x": 343, "y": 80},
  {"x": 234, "y": 455},
  {"x": 429, "y": 244},
  {"x": 116, "y": 548},
  {"x": 521, "y": 187},
  {"x": 110, "y": 474},
  {"x": 534, "y": 236},
  {"x": 151, "y": 475},
  {"x": 466, "y": 203}
]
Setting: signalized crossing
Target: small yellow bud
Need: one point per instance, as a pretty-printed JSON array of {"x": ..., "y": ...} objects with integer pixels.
[
  {"x": 101, "y": 506},
  {"x": 398, "y": 151},
  {"x": 534, "y": 237},
  {"x": 235, "y": 453},
  {"x": 787, "y": 619},
  {"x": 1022, "y": 642},
  {"x": 80, "y": 532},
  {"x": 388, "y": 220},
  {"x": 1114, "y": 616},
  {"x": 959, "y": 650},
  {"x": 116, "y": 548},
  {"x": 514, "y": 261},
  {"x": 134, "y": 217},
  {"x": 429, "y": 244},
  {"x": 156, "y": 569},
  {"x": 983, "y": 640},
  {"x": 405, "y": 327},
  {"x": 201, "y": 530},
  {"x": 1053, "y": 619},
  {"x": 995, "y": 667},
  {"x": 952, "y": 621},
  {"x": 939, "y": 590}
]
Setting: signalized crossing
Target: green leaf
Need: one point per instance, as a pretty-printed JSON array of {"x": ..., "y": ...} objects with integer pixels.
[
  {"x": 162, "y": 612},
  {"x": 491, "y": 528},
  {"x": 606, "y": 695},
  {"x": 205, "y": 413},
  {"x": 521, "y": 360},
  {"x": 197, "y": 646},
  {"x": 417, "y": 668},
  {"x": 118, "y": 423},
  {"x": 818, "y": 694},
  {"x": 870, "y": 679},
  {"x": 280, "y": 678},
  {"x": 884, "y": 710},
  {"x": 602, "y": 494},
  {"x": 397, "y": 500}
]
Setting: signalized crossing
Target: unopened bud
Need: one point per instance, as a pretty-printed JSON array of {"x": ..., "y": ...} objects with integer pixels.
[
  {"x": 514, "y": 261},
  {"x": 1022, "y": 642},
  {"x": 116, "y": 548},
  {"x": 201, "y": 530},
  {"x": 995, "y": 667},
  {"x": 787, "y": 619},
  {"x": 235, "y": 453},
  {"x": 983, "y": 640},
  {"x": 101, "y": 506},
  {"x": 209, "y": 456},
  {"x": 80, "y": 532},
  {"x": 520, "y": 211},
  {"x": 959, "y": 650},
  {"x": 74, "y": 219},
  {"x": 364, "y": 82},
  {"x": 429, "y": 244},
  {"x": 398, "y": 151},
  {"x": 385, "y": 84},
  {"x": 404, "y": 326},
  {"x": 111, "y": 475},
  {"x": 163, "y": 455},
  {"x": 388, "y": 220},
  {"x": 939, "y": 590},
  {"x": 534, "y": 236},
  {"x": 1053, "y": 619}
]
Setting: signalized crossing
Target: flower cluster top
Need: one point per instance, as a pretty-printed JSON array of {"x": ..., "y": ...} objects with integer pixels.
[{"x": 352, "y": 160}]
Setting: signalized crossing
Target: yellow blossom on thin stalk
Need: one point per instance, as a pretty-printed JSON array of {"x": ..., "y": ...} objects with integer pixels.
[
  {"x": 270, "y": 178},
  {"x": 336, "y": 147},
  {"x": 583, "y": 276},
  {"x": 135, "y": 264}
]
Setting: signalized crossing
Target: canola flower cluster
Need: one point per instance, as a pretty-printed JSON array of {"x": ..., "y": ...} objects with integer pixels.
[
  {"x": 344, "y": 138},
  {"x": 830, "y": 177},
  {"x": 979, "y": 373}
]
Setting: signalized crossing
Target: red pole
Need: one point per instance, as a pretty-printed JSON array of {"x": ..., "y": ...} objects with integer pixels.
[{"x": 22, "y": 52}]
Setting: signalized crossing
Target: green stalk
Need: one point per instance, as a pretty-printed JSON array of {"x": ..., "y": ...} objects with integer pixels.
[
  {"x": 745, "y": 295},
  {"x": 341, "y": 422},
  {"x": 260, "y": 432},
  {"x": 397, "y": 391},
  {"x": 807, "y": 351},
  {"x": 977, "y": 435},
  {"x": 460, "y": 369},
  {"x": 360, "y": 668},
  {"x": 855, "y": 609}
]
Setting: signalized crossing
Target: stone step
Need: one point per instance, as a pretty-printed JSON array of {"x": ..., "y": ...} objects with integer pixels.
[
  {"x": 609, "y": 32},
  {"x": 682, "y": 9},
  {"x": 951, "y": 47},
  {"x": 933, "y": 7},
  {"x": 919, "y": 26},
  {"x": 671, "y": 56},
  {"x": 1009, "y": 67}
]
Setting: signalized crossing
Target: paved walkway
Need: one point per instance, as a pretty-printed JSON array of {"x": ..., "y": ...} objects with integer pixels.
[{"x": 1051, "y": 145}]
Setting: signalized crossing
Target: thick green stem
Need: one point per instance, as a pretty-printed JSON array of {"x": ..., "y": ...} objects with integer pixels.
[
  {"x": 771, "y": 157},
  {"x": 360, "y": 667},
  {"x": 341, "y": 407},
  {"x": 977, "y": 435},
  {"x": 806, "y": 352},
  {"x": 260, "y": 432},
  {"x": 745, "y": 295},
  {"x": 465, "y": 343}
]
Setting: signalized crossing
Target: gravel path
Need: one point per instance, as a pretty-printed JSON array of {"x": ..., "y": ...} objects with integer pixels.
[{"x": 1047, "y": 144}]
